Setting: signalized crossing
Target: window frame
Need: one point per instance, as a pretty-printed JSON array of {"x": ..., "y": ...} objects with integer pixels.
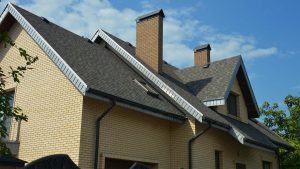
[
  {"x": 219, "y": 164},
  {"x": 6, "y": 120},
  {"x": 229, "y": 103},
  {"x": 240, "y": 165},
  {"x": 268, "y": 163}
]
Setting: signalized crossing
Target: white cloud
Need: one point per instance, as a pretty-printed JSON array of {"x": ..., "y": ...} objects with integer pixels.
[{"x": 182, "y": 32}]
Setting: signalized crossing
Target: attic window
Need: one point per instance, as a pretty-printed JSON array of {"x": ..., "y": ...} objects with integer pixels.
[
  {"x": 232, "y": 104},
  {"x": 147, "y": 88}
]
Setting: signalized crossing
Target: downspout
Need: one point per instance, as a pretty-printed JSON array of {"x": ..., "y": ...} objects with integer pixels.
[
  {"x": 190, "y": 144},
  {"x": 98, "y": 134}
]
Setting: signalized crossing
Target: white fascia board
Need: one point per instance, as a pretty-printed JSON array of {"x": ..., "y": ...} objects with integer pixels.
[
  {"x": 217, "y": 102},
  {"x": 237, "y": 134},
  {"x": 151, "y": 76},
  {"x": 44, "y": 45}
]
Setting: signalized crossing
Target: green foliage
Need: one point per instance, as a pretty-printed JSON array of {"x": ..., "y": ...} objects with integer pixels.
[
  {"x": 287, "y": 125},
  {"x": 14, "y": 73}
]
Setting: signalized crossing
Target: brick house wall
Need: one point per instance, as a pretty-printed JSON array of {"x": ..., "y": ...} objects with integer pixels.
[
  {"x": 53, "y": 105},
  {"x": 61, "y": 120}
]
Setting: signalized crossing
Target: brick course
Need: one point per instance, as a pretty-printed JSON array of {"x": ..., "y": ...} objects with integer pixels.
[{"x": 149, "y": 41}]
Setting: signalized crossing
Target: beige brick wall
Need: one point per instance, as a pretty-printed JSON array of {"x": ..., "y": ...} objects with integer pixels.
[
  {"x": 52, "y": 104},
  {"x": 232, "y": 151},
  {"x": 61, "y": 121},
  {"x": 149, "y": 41},
  {"x": 242, "y": 108},
  {"x": 125, "y": 134},
  {"x": 180, "y": 135}
]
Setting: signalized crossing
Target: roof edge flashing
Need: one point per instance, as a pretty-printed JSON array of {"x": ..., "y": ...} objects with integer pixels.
[
  {"x": 158, "y": 12},
  {"x": 237, "y": 134},
  {"x": 150, "y": 75},
  {"x": 46, "y": 47}
]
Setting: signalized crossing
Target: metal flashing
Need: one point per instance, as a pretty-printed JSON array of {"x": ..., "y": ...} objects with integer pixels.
[
  {"x": 44, "y": 45},
  {"x": 159, "y": 12},
  {"x": 237, "y": 134},
  {"x": 151, "y": 76}
]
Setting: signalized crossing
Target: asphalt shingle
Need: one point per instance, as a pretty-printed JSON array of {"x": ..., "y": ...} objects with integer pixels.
[
  {"x": 105, "y": 72},
  {"x": 100, "y": 68}
]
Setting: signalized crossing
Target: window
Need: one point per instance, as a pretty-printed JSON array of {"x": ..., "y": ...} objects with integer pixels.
[
  {"x": 218, "y": 159},
  {"x": 240, "y": 166},
  {"x": 232, "y": 104},
  {"x": 7, "y": 120},
  {"x": 266, "y": 165}
]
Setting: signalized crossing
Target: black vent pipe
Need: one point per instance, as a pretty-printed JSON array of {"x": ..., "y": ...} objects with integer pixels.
[
  {"x": 190, "y": 150},
  {"x": 98, "y": 132}
]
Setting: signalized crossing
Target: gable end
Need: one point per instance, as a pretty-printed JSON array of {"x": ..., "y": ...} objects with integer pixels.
[{"x": 44, "y": 45}]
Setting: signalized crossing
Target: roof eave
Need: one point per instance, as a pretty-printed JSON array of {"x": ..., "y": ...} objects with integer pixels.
[
  {"x": 95, "y": 94},
  {"x": 178, "y": 99}
]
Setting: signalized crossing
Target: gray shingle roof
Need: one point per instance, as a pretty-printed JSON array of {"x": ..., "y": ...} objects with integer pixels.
[
  {"x": 208, "y": 83},
  {"x": 106, "y": 74},
  {"x": 266, "y": 131},
  {"x": 99, "y": 67},
  {"x": 250, "y": 131}
]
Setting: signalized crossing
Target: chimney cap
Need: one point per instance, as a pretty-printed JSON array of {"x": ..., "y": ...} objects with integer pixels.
[
  {"x": 159, "y": 12},
  {"x": 202, "y": 47}
]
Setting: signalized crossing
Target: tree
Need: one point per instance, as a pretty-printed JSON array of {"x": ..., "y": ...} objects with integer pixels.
[
  {"x": 286, "y": 123},
  {"x": 7, "y": 111}
]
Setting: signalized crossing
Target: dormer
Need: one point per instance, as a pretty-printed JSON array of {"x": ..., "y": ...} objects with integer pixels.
[{"x": 222, "y": 85}]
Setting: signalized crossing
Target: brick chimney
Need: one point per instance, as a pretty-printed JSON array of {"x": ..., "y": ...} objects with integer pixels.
[
  {"x": 202, "y": 55},
  {"x": 149, "y": 39}
]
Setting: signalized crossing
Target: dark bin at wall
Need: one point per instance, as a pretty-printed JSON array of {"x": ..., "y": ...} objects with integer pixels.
[
  {"x": 10, "y": 162},
  {"x": 58, "y": 161}
]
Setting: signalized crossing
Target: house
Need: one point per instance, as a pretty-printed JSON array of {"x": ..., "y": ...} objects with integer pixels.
[{"x": 108, "y": 104}]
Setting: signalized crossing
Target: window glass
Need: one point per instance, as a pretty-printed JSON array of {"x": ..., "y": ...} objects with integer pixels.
[
  {"x": 7, "y": 120},
  {"x": 232, "y": 104},
  {"x": 218, "y": 160},
  {"x": 266, "y": 165},
  {"x": 240, "y": 166}
]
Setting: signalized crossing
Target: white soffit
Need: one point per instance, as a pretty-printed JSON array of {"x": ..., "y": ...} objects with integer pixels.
[{"x": 217, "y": 102}]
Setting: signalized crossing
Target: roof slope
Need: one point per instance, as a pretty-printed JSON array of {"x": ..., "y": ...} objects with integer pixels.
[
  {"x": 173, "y": 77},
  {"x": 199, "y": 80},
  {"x": 98, "y": 66}
]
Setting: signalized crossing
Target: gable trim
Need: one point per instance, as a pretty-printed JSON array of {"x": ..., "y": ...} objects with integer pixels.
[
  {"x": 151, "y": 76},
  {"x": 44, "y": 45},
  {"x": 222, "y": 101}
]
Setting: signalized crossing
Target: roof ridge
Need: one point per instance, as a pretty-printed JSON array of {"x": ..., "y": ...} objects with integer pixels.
[
  {"x": 65, "y": 29},
  {"x": 214, "y": 62},
  {"x": 30, "y": 19}
]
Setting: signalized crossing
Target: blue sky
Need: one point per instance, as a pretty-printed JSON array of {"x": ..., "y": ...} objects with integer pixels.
[{"x": 265, "y": 32}]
